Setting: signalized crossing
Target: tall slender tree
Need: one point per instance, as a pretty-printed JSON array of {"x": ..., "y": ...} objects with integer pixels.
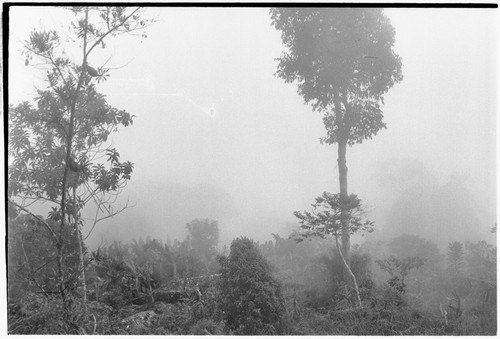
[
  {"x": 58, "y": 149},
  {"x": 343, "y": 61}
]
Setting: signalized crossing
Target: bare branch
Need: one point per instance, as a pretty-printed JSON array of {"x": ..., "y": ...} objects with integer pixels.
[
  {"x": 110, "y": 31},
  {"x": 45, "y": 264},
  {"x": 106, "y": 217}
]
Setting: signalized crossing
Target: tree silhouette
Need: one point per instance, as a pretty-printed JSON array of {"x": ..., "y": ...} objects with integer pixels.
[{"x": 343, "y": 62}]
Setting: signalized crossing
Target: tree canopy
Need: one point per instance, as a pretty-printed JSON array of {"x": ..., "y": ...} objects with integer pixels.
[
  {"x": 326, "y": 217},
  {"x": 343, "y": 62}
]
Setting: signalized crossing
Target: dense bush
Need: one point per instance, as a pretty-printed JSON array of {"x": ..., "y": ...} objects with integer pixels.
[
  {"x": 252, "y": 302},
  {"x": 32, "y": 254},
  {"x": 39, "y": 314}
]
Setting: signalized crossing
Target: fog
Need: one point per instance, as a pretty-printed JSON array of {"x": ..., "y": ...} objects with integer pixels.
[{"x": 217, "y": 135}]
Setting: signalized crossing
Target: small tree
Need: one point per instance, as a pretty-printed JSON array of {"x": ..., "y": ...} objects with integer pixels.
[
  {"x": 58, "y": 148},
  {"x": 328, "y": 219},
  {"x": 343, "y": 62},
  {"x": 251, "y": 298},
  {"x": 399, "y": 270},
  {"x": 202, "y": 240}
]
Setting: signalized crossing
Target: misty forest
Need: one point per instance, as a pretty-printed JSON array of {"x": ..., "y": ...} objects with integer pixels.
[{"x": 251, "y": 171}]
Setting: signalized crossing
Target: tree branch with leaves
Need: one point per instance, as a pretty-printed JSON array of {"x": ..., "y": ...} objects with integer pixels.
[{"x": 327, "y": 219}]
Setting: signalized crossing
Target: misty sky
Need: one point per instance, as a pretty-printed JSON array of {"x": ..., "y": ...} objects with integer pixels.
[{"x": 258, "y": 158}]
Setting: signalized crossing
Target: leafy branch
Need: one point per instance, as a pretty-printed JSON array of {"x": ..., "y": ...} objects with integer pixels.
[{"x": 326, "y": 220}]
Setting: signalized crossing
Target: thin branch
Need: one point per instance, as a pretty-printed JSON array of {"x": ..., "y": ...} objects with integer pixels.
[
  {"x": 110, "y": 31},
  {"x": 45, "y": 264},
  {"x": 48, "y": 57},
  {"x": 35, "y": 200},
  {"x": 31, "y": 269},
  {"x": 95, "y": 324},
  {"x": 91, "y": 192},
  {"x": 37, "y": 218},
  {"x": 120, "y": 67},
  {"x": 106, "y": 217},
  {"x": 58, "y": 70}
]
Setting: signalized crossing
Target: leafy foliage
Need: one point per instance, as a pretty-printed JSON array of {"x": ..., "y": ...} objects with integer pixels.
[
  {"x": 70, "y": 123},
  {"x": 340, "y": 55},
  {"x": 325, "y": 219},
  {"x": 127, "y": 273},
  {"x": 38, "y": 138},
  {"x": 252, "y": 301}
]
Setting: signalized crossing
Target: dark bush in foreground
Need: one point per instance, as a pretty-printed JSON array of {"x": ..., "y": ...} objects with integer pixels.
[{"x": 252, "y": 302}]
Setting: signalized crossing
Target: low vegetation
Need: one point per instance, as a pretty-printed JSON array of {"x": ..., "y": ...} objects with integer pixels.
[{"x": 276, "y": 287}]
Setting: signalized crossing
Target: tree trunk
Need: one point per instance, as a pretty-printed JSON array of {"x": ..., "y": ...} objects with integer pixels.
[
  {"x": 61, "y": 283},
  {"x": 69, "y": 142},
  {"x": 152, "y": 298},
  {"x": 344, "y": 196},
  {"x": 81, "y": 266},
  {"x": 353, "y": 277},
  {"x": 175, "y": 268}
]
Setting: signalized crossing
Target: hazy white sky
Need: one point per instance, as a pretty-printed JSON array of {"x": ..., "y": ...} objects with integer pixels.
[{"x": 259, "y": 158}]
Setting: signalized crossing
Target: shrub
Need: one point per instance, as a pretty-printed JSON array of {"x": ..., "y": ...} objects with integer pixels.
[
  {"x": 206, "y": 327},
  {"x": 35, "y": 314},
  {"x": 326, "y": 283},
  {"x": 251, "y": 299},
  {"x": 171, "y": 319},
  {"x": 399, "y": 269}
]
